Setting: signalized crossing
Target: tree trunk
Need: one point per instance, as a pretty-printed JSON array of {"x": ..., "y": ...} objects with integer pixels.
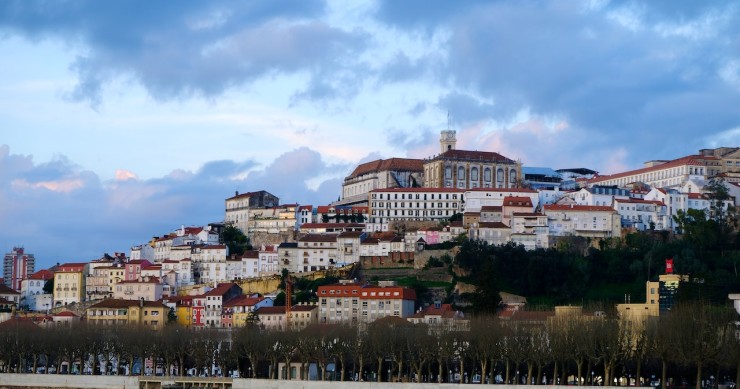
[
  {"x": 555, "y": 374},
  {"x": 530, "y": 369},
  {"x": 483, "y": 370},
  {"x": 440, "y": 372},
  {"x": 462, "y": 369},
  {"x": 698, "y": 375},
  {"x": 380, "y": 369},
  {"x": 538, "y": 379},
  {"x": 508, "y": 372},
  {"x": 579, "y": 368},
  {"x": 663, "y": 374}
]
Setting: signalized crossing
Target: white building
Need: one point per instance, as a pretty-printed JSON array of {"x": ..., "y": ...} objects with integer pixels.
[
  {"x": 598, "y": 195},
  {"x": 664, "y": 174},
  {"x": 642, "y": 214},
  {"x": 32, "y": 291},
  {"x": 475, "y": 199},
  {"x": 413, "y": 204},
  {"x": 583, "y": 220},
  {"x": 238, "y": 206},
  {"x": 350, "y": 303},
  {"x": 530, "y": 230},
  {"x": 316, "y": 252}
]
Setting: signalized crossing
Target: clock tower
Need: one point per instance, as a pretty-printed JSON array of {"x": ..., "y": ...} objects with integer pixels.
[{"x": 447, "y": 140}]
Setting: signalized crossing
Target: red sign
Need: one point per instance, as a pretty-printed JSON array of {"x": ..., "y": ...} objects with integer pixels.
[{"x": 669, "y": 266}]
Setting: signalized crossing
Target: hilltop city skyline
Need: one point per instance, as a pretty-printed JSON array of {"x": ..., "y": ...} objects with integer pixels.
[{"x": 120, "y": 124}]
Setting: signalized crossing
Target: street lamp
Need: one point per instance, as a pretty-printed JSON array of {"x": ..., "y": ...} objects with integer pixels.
[{"x": 389, "y": 374}]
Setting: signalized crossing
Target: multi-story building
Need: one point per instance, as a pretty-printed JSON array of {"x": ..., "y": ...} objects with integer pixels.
[
  {"x": 352, "y": 303},
  {"x": 412, "y": 204},
  {"x": 100, "y": 284},
  {"x": 530, "y": 230},
  {"x": 465, "y": 169},
  {"x": 238, "y": 206},
  {"x": 348, "y": 247},
  {"x": 33, "y": 296},
  {"x": 10, "y": 295},
  {"x": 147, "y": 288},
  {"x": 17, "y": 266},
  {"x": 317, "y": 252},
  {"x": 477, "y": 199},
  {"x": 275, "y": 319},
  {"x": 380, "y": 174},
  {"x": 305, "y": 215},
  {"x": 133, "y": 269},
  {"x": 583, "y": 220},
  {"x": 181, "y": 271},
  {"x": 236, "y": 311},
  {"x": 599, "y": 195},
  {"x": 729, "y": 160},
  {"x": 272, "y": 318},
  {"x": 493, "y": 233},
  {"x": 440, "y": 318},
  {"x": 273, "y": 220},
  {"x": 642, "y": 214},
  {"x": 215, "y": 299},
  {"x": 341, "y": 214},
  {"x": 515, "y": 204},
  {"x": 664, "y": 174},
  {"x": 69, "y": 283},
  {"x": 149, "y": 314},
  {"x": 321, "y": 228}
]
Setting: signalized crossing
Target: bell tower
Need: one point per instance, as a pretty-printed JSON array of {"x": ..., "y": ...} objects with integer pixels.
[{"x": 447, "y": 140}]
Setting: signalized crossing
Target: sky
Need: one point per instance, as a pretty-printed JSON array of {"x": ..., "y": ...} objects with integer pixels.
[{"x": 122, "y": 120}]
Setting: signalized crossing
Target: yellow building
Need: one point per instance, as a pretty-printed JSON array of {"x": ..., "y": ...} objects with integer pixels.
[
  {"x": 659, "y": 297},
  {"x": 150, "y": 314},
  {"x": 69, "y": 283}
]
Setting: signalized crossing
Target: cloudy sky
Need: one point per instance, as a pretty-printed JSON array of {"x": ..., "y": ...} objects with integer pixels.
[{"x": 120, "y": 120}]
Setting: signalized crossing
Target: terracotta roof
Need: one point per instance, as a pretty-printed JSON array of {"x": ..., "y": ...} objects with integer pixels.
[
  {"x": 120, "y": 303},
  {"x": 270, "y": 311},
  {"x": 318, "y": 238},
  {"x": 243, "y": 301},
  {"x": 4, "y": 289},
  {"x": 497, "y": 225},
  {"x": 491, "y": 208},
  {"x": 696, "y": 196},
  {"x": 433, "y": 311},
  {"x": 639, "y": 201},
  {"x": 305, "y": 207},
  {"x": 396, "y": 164},
  {"x": 71, "y": 267},
  {"x": 347, "y": 290},
  {"x": 251, "y": 254},
  {"x": 695, "y": 160},
  {"x": 65, "y": 314},
  {"x": 577, "y": 208},
  {"x": 143, "y": 262},
  {"x": 41, "y": 275},
  {"x": 193, "y": 230},
  {"x": 151, "y": 280},
  {"x": 468, "y": 155},
  {"x": 221, "y": 289},
  {"x": 517, "y": 201}
]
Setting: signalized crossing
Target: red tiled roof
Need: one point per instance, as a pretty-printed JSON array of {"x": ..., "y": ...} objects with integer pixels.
[
  {"x": 151, "y": 280},
  {"x": 65, "y": 314},
  {"x": 517, "y": 201},
  {"x": 120, "y": 303},
  {"x": 491, "y": 208},
  {"x": 303, "y": 308},
  {"x": 71, "y": 267},
  {"x": 270, "y": 311},
  {"x": 251, "y": 254},
  {"x": 305, "y": 207},
  {"x": 41, "y": 275},
  {"x": 468, "y": 155},
  {"x": 498, "y": 225},
  {"x": 220, "y": 290},
  {"x": 695, "y": 160},
  {"x": 577, "y": 208},
  {"x": 527, "y": 214},
  {"x": 397, "y": 164},
  {"x": 639, "y": 201},
  {"x": 318, "y": 238},
  {"x": 243, "y": 301}
]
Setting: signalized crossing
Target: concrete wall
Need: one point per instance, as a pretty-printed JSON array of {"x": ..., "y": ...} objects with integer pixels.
[{"x": 68, "y": 381}]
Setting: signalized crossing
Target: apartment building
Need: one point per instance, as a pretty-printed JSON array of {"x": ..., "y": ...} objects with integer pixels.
[
  {"x": 17, "y": 266},
  {"x": 664, "y": 174},
  {"x": 148, "y": 314},
  {"x": 477, "y": 199},
  {"x": 642, "y": 214},
  {"x": 583, "y": 220},
  {"x": 352, "y": 303},
  {"x": 412, "y": 204},
  {"x": 69, "y": 283},
  {"x": 238, "y": 206},
  {"x": 145, "y": 288},
  {"x": 530, "y": 230}
]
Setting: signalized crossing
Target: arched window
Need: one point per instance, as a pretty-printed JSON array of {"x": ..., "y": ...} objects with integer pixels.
[
  {"x": 460, "y": 173},
  {"x": 487, "y": 174},
  {"x": 474, "y": 174},
  {"x": 512, "y": 176},
  {"x": 500, "y": 175},
  {"x": 448, "y": 172}
]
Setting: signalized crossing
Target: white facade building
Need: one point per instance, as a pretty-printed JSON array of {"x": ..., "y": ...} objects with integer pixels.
[
  {"x": 475, "y": 199},
  {"x": 412, "y": 204}
]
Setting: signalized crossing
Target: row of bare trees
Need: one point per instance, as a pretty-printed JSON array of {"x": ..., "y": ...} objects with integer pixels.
[{"x": 693, "y": 340}]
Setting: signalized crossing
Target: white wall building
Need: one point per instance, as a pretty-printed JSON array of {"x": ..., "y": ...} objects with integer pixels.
[
  {"x": 412, "y": 204},
  {"x": 475, "y": 199},
  {"x": 583, "y": 220}
]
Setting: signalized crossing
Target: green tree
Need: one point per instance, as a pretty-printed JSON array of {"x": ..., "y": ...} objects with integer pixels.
[{"x": 235, "y": 240}]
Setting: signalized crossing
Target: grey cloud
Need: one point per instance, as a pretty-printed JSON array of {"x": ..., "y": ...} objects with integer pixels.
[{"x": 192, "y": 48}]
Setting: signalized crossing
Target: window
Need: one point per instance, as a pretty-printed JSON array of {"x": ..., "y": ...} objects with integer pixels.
[
  {"x": 500, "y": 175},
  {"x": 474, "y": 174},
  {"x": 460, "y": 173},
  {"x": 448, "y": 172}
]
